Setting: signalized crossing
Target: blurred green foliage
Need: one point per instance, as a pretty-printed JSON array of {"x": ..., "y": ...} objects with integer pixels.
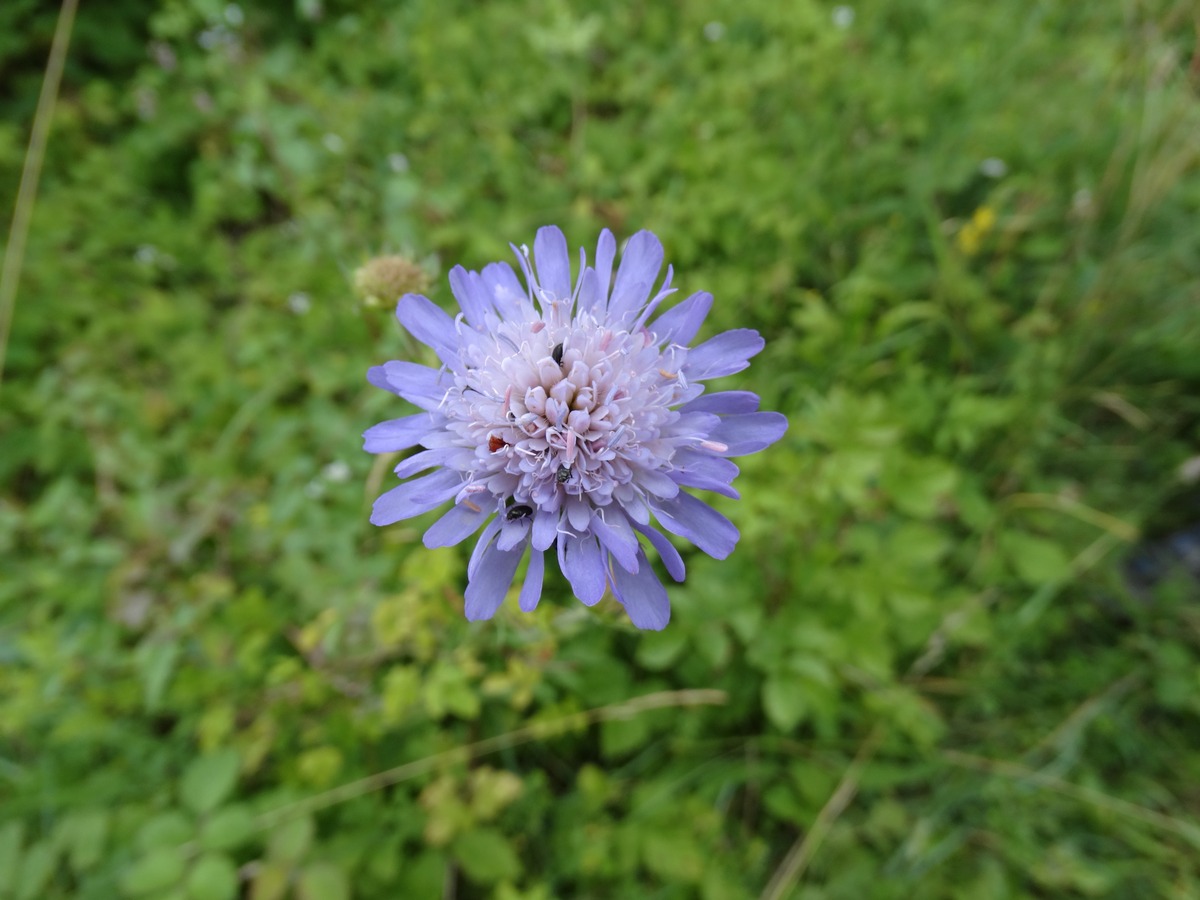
[{"x": 968, "y": 233}]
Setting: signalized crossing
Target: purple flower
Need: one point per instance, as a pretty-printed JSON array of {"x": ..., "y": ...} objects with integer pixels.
[{"x": 565, "y": 417}]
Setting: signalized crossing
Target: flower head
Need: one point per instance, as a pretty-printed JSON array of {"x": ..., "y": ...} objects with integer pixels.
[{"x": 565, "y": 417}]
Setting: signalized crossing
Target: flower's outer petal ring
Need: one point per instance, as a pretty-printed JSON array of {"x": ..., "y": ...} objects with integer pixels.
[
  {"x": 696, "y": 521},
  {"x": 399, "y": 434},
  {"x": 656, "y": 482},
  {"x": 582, "y": 561},
  {"x": 697, "y": 469},
  {"x": 485, "y": 540},
  {"x": 419, "y": 385},
  {"x": 643, "y": 595},
  {"x": 640, "y": 264},
  {"x": 429, "y": 324},
  {"x": 450, "y": 457},
  {"x": 588, "y": 291},
  {"x": 472, "y": 296},
  {"x": 502, "y": 285},
  {"x": 553, "y": 263},
  {"x": 531, "y": 590},
  {"x": 459, "y": 523},
  {"x": 749, "y": 433},
  {"x": 679, "y": 324},
  {"x": 666, "y": 550},
  {"x": 513, "y": 533},
  {"x": 415, "y": 497},
  {"x": 606, "y": 251},
  {"x": 545, "y": 528},
  {"x": 616, "y": 535},
  {"x": 487, "y": 587},
  {"x": 724, "y": 354},
  {"x": 723, "y": 403}
]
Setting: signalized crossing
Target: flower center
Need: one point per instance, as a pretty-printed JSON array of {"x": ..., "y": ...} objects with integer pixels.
[{"x": 569, "y": 409}]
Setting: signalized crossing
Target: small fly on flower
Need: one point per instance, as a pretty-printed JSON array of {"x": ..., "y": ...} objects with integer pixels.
[{"x": 598, "y": 455}]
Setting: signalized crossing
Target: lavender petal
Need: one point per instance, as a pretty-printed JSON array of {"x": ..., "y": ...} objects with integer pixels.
[
  {"x": 698, "y": 469},
  {"x": 501, "y": 284},
  {"x": 643, "y": 596},
  {"x": 679, "y": 324},
  {"x": 450, "y": 457},
  {"x": 545, "y": 528},
  {"x": 415, "y": 497},
  {"x": 640, "y": 264},
  {"x": 459, "y": 523},
  {"x": 749, "y": 433},
  {"x": 512, "y": 533},
  {"x": 724, "y": 354},
  {"x": 419, "y": 385},
  {"x": 588, "y": 291},
  {"x": 553, "y": 262},
  {"x": 617, "y": 537},
  {"x": 666, "y": 550},
  {"x": 606, "y": 251},
  {"x": 398, "y": 434},
  {"x": 531, "y": 590},
  {"x": 723, "y": 403},
  {"x": 487, "y": 587},
  {"x": 582, "y": 561},
  {"x": 696, "y": 521},
  {"x": 473, "y": 298},
  {"x": 430, "y": 325},
  {"x": 486, "y": 538}
]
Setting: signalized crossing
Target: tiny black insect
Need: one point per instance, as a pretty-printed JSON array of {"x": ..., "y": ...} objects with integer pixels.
[
  {"x": 519, "y": 511},
  {"x": 556, "y": 353},
  {"x": 563, "y": 475}
]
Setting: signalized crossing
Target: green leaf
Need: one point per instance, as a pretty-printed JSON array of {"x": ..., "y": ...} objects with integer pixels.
[
  {"x": 154, "y": 873},
  {"x": 213, "y": 877},
  {"x": 290, "y": 841},
  {"x": 657, "y": 650},
  {"x": 83, "y": 835},
  {"x": 168, "y": 829},
  {"x": 621, "y": 736},
  {"x": 1036, "y": 560},
  {"x": 917, "y": 485},
  {"x": 11, "y": 835},
  {"x": 270, "y": 881},
  {"x": 36, "y": 868},
  {"x": 322, "y": 881},
  {"x": 783, "y": 702},
  {"x": 227, "y": 828},
  {"x": 712, "y": 644},
  {"x": 486, "y": 856},
  {"x": 208, "y": 780},
  {"x": 157, "y": 663},
  {"x": 674, "y": 855}
]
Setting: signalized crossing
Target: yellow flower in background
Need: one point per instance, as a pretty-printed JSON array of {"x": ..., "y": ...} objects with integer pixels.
[{"x": 972, "y": 234}]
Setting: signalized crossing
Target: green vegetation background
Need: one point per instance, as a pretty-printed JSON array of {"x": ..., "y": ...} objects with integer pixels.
[{"x": 969, "y": 234}]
